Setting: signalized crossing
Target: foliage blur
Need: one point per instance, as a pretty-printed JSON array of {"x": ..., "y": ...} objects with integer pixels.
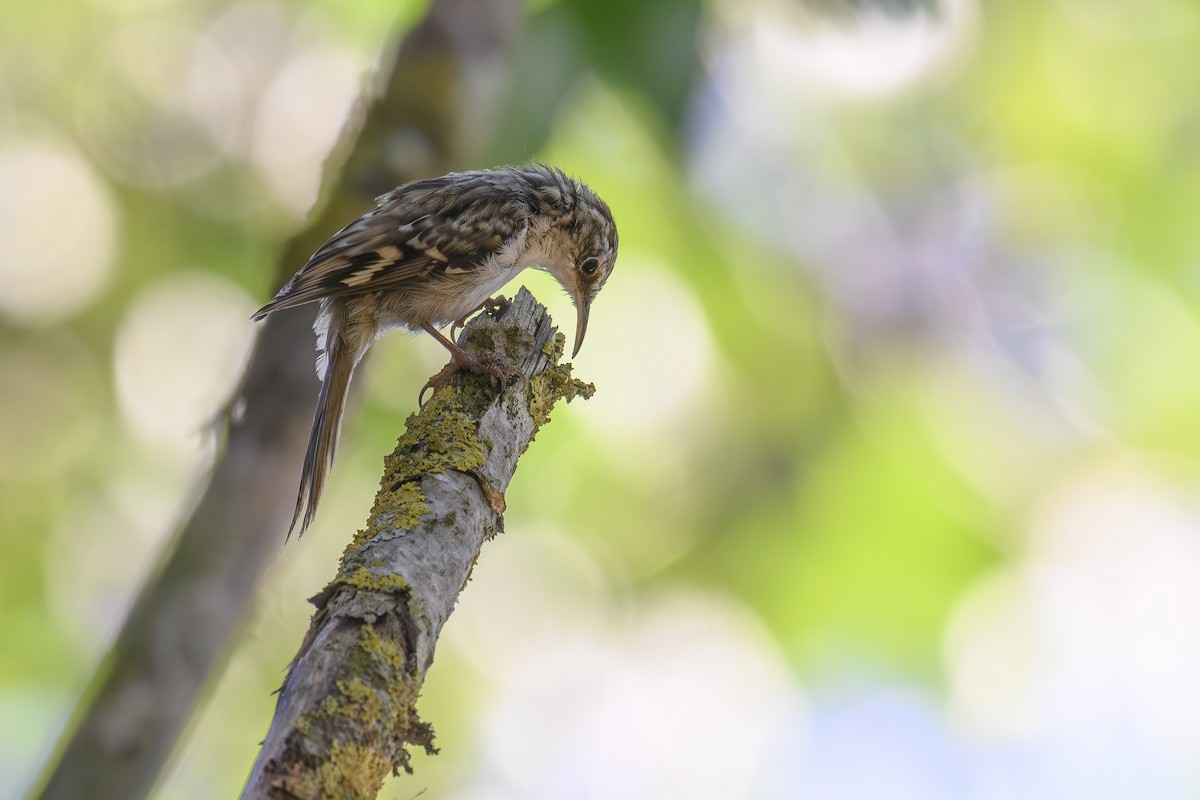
[{"x": 890, "y": 485}]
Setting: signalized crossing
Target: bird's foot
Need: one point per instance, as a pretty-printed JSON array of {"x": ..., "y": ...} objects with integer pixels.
[
  {"x": 492, "y": 305},
  {"x": 463, "y": 360}
]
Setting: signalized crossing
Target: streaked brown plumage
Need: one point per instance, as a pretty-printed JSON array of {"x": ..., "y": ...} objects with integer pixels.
[{"x": 432, "y": 252}]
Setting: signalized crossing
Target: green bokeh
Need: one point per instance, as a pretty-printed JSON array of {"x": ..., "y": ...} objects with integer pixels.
[{"x": 846, "y": 479}]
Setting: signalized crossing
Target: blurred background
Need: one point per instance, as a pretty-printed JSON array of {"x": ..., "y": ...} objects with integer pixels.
[{"x": 890, "y": 485}]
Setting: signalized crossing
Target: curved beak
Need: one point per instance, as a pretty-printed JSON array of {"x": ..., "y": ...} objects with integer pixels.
[{"x": 581, "y": 307}]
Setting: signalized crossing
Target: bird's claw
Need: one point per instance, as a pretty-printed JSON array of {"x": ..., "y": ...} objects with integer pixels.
[
  {"x": 491, "y": 305},
  {"x": 480, "y": 366}
]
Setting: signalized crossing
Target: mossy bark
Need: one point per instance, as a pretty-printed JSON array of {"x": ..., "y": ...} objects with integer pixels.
[{"x": 347, "y": 709}]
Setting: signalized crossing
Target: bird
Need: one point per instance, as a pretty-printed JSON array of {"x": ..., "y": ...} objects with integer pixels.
[{"x": 430, "y": 253}]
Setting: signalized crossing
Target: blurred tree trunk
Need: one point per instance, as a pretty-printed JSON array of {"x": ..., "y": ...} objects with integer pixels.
[{"x": 433, "y": 112}]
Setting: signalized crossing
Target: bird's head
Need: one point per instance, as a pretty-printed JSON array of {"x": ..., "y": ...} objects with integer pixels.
[{"x": 589, "y": 252}]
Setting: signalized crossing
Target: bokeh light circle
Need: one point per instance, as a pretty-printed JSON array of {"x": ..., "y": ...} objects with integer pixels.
[
  {"x": 58, "y": 223},
  {"x": 180, "y": 352}
]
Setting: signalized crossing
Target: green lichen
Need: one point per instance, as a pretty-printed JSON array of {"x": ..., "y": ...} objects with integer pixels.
[
  {"x": 363, "y": 579},
  {"x": 388, "y": 583},
  {"x": 554, "y": 348},
  {"x": 351, "y": 772},
  {"x": 379, "y": 655},
  {"x": 304, "y": 726},
  {"x": 553, "y": 384},
  {"x": 397, "y": 510},
  {"x": 364, "y": 698},
  {"x": 369, "y": 717},
  {"x": 442, "y": 437}
]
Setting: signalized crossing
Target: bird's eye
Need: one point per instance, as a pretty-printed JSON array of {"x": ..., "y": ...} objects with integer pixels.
[{"x": 589, "y": 266}]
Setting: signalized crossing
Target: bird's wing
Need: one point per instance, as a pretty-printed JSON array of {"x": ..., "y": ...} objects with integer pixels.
[{"x": 400, "y": 241}]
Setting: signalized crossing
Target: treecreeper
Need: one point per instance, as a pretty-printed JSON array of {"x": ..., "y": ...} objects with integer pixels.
[{"x": 430, "y": 253}]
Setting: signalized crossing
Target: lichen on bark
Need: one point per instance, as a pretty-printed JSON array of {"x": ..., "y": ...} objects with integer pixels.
[{"x": 347, "y": 710}]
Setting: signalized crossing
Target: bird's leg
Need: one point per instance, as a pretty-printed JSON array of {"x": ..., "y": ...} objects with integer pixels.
[
  {"x": 459, "y": 360},
  {"x": 492, "y": 304}
]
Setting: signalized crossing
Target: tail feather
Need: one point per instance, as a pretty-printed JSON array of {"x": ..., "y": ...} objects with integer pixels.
[{"x": 339, "y": 363}]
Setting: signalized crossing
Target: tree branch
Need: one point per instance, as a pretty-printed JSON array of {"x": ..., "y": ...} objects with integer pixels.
[{"x": 347, "y": 708}]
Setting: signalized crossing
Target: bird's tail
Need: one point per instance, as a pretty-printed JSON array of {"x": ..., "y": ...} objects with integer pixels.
[{"x": 336, "y": 362}]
